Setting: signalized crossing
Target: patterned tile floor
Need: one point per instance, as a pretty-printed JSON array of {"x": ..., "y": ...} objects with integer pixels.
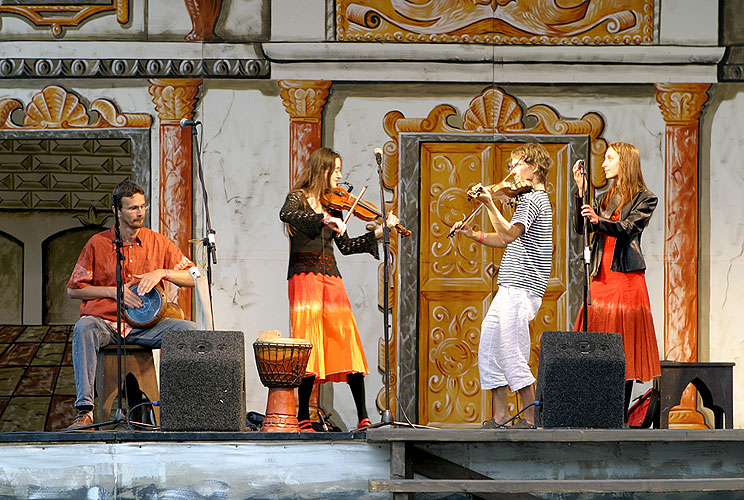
[{"x": 37, "y": 383}]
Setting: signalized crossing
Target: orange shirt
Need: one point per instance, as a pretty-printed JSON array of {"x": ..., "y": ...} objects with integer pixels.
[{"x": 97, "y": 266}]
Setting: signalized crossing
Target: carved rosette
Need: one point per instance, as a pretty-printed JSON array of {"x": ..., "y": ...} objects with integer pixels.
[
  {"x": 303, "y": 101},
  {"x": 175, "y": 100},
  {"x": 681, "y": 105},
  {"x": 493, "y": 111},
  {"x": 56, "y": 108}
]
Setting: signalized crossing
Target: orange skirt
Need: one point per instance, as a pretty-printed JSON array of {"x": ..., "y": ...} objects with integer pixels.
[
  {"x": 320, "y": 312},
  {"x": 620, "y": 304}
]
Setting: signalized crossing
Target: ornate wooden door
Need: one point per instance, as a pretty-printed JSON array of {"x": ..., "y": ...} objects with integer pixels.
[{"x": 458, "y": 276}]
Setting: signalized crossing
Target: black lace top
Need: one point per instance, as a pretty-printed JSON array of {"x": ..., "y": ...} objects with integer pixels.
[{"x": 311, "y": 247}]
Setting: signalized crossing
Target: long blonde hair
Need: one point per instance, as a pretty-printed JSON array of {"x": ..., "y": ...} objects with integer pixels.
[
  {"x": 315, "y": 177},
  {"x": 629, "y": 181}
]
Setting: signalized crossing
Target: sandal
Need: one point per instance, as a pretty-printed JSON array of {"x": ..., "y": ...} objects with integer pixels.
[
  {"x": 492, "y": 424},
  {"x": 365, "y": 422},
  {"x": 306, "y": 426}
]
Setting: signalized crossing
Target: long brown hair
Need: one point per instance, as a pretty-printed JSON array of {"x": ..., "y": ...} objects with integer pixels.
[
  {"x": 315, "y": 178},
  {"x": 629, "y": 181}
]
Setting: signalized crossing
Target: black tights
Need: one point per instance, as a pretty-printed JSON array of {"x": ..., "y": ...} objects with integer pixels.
[
  {"x": 356, "y": 384},
  {"x": 628, "y": 392}
]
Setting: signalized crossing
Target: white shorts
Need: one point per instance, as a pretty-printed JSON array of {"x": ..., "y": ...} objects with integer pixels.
[{"x": 504, "y": 347}]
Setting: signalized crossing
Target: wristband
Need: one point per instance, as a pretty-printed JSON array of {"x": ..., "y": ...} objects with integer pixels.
[
  {"x": 326, "y": 220},
  {"x": 482, "y": 237},
  {"x": 167, "y": 275}
]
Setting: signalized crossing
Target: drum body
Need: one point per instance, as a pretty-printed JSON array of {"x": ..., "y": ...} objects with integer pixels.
[
  {"x": 153, "y": 307},
  {"x": 282, "y": 363}
]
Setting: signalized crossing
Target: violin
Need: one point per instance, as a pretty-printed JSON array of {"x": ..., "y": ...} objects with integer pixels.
[
  {"x": 341, "y": 199},
  {"x": 505, "y": 189}
]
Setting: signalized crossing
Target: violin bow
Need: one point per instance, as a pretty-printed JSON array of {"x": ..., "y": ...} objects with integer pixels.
[{"x": 351, "y": 210}]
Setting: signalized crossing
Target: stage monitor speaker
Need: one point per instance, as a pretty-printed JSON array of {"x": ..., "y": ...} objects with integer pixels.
[
  {"x": 581, "y": 380},
  {"x": 202, "y": 381}
]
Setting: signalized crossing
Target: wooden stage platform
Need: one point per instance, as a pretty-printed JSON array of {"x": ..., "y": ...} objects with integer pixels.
[{"x": 379, "y": 464}]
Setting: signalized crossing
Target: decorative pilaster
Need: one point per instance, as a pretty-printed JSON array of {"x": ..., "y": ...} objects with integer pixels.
[
  {"x": 174, "y": 100},
  {"x": 304, "y": 101},
  {"x": 681, "y": 105}
]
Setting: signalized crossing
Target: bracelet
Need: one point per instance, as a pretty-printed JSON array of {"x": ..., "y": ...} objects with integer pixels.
[
  {"x": 482, "y": 237},
  {"x": 326, "y": 220},
  {"x": 167, "y": 275}
]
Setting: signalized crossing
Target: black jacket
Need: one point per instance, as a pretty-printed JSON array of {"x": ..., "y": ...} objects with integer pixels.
[{"x": 634, "y": 218}]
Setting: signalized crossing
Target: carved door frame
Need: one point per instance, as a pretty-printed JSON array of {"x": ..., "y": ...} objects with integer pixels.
[{"x": 493, "y": 116}]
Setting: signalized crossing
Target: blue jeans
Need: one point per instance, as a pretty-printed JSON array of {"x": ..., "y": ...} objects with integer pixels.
[{"x": 92, "y": 333}]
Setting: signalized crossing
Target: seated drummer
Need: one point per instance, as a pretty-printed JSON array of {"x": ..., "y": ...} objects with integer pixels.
[{"x": 149, "y": 258}]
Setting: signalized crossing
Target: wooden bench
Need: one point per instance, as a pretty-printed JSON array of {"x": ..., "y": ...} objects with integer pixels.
[{"x": 139, "y": 361}]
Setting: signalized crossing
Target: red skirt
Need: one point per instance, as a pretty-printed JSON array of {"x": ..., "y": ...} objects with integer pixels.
[
  {"x": 320, "y": 312},
  {"x": 620, "y": 304}
]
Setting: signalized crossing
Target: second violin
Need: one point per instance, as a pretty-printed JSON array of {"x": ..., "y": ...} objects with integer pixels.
[{"x": 341, "y": 199}]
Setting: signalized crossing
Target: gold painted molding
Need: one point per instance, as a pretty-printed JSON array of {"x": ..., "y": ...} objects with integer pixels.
[
  {"x": 681, "y": 103},
  {"x": 71, "y": 14},
  {"x": 174, "y": 98},
  {"x": 499, "y": 22},
  {"x": 56, "y": 108},
  {"x": 304, "y": 99}
]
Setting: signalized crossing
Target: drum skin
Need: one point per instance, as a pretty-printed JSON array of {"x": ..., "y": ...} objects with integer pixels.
[{"x": 153, "y": 307}]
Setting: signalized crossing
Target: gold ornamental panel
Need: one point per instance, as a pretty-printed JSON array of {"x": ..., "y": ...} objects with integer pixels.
[
  {"x": 500, "y": 22},
  {"x": 458, "y": 277}
]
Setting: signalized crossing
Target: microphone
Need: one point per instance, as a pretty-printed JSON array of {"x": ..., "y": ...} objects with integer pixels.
[
  {"x": 378, "y": 156},
  {"x": 189, "y": 123}
]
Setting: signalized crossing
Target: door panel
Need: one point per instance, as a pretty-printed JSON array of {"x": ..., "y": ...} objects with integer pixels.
[{"x": 457, "y": 277}]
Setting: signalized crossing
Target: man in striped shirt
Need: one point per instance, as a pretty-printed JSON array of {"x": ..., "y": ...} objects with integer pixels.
[{"x": 504, "y": 348}]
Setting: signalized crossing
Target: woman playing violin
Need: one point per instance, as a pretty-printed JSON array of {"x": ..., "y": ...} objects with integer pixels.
[
  {"x": 319, "y": 306},
  {"x": 504, "y": 347}
]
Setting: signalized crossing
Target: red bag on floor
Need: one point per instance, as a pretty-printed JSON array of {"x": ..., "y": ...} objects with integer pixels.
[{"x": 643, "y": 411}]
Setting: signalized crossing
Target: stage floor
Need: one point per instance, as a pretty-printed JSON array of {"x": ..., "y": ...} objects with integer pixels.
[{"x": 442, "y": 464}]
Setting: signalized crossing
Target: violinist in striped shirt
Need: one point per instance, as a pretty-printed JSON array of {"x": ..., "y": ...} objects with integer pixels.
[{"x": 504, "y": 348}]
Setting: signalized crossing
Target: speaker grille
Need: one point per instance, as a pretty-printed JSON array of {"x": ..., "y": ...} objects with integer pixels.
[
  {"x": 202, "y": 381},
  {"x": 581, "y": 380}
]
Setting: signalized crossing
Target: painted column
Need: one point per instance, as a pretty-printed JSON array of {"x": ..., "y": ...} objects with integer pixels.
[
  {"x": 174, "y": 100},
  {"x": 681, "y": 105},
  {"x": 304, "y": 101}
]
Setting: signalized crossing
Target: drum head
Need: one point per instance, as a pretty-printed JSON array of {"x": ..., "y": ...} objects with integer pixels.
[{"x": 149, "y": 313}]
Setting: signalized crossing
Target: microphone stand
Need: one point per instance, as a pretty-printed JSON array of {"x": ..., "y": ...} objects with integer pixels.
[
  {"x": 587, "y": 256},
  {"x": 209, "y": 239},
  {"x": 387, "y": 415},
  {"x": 119, "y": 414}
]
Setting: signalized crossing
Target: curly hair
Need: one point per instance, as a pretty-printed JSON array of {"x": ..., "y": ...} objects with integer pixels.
[{"x": 535, "y": 155}]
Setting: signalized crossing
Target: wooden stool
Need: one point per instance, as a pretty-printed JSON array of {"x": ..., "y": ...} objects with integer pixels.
[
  {"x": 714, "y": 382},
  {"x": 139, "y": 362}
]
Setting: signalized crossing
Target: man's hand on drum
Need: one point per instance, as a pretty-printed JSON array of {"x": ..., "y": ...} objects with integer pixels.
[
  {"x": 150, "y": 280},
  {"x": 131, "y": 299}
]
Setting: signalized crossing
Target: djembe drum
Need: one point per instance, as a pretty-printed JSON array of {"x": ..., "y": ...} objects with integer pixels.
[{"x": 281, "y": 364}]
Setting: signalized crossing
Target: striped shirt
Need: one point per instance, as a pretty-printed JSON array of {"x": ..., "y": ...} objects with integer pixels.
[{"x": 527, "y": 260}]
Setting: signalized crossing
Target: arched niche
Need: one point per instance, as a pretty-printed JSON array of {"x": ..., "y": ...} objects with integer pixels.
[
  {"x": 11, "y": 275},
  {"x": 59, "y": 254}
]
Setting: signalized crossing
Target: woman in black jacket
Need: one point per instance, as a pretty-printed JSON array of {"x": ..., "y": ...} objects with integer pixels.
[{"x": 620, "y": 301}]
